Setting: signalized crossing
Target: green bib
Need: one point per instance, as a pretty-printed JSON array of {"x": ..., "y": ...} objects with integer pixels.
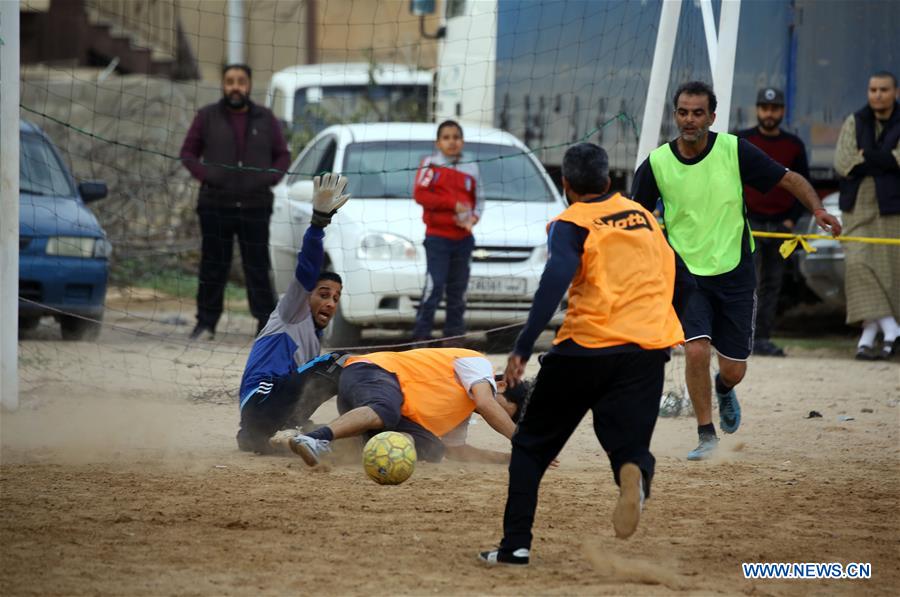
[{"x": 704, "y": 206}]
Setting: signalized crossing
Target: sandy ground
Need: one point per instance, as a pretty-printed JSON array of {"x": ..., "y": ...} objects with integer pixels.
[{"x": 120, "y": 476}]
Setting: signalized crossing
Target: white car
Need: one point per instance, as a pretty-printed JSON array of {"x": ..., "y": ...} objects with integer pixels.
[{"x": 375, "y": 241}]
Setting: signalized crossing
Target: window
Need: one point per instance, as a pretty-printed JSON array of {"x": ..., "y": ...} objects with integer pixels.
[
  {"x": 40, "y": 170},
  {"x": 360, "y": 103},
  {"x": 386, "y": 170},
  {"x": 456, "y": 8},
  {"x": 278, "y": 105},
  {"x": 316, "y": 159}
]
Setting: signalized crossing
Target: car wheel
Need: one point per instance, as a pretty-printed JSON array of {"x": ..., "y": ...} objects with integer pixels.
[
  {"x": 502, "y": 341},
  {"x": 341, "y": 333},
  {"x": 76, "y": 328},
  {"x": 28, "y": 323}
]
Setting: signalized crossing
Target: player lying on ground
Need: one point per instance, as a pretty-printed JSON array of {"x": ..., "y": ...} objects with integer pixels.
[
  {"x": 272, "y": 384},
  {"x": 429, "y": 394},
  {"x": 609, "y": 355}
]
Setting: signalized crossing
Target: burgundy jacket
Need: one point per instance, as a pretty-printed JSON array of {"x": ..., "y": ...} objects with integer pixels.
[{"x": 237, "y": 157}]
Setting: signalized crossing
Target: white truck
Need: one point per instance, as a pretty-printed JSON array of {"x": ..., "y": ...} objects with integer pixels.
[
  {"x": 554, "y": 71},
  {"x": 308, "y": 98}
]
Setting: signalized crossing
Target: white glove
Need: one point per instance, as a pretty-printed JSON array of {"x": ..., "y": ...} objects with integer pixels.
[{"x": 327, "y": 198}]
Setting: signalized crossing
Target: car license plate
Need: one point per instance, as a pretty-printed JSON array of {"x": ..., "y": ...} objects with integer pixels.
[{"x": 484, "y": 285}]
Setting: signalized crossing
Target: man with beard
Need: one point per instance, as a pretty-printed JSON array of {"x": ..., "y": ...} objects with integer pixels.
[
  {"x": 237, "y": 151},
  {"x": 868, "y": 160},
  {"x": 775, "y": 211},
  {"x": 285, "y": 380},
  {"x": 699, "y": 177}
]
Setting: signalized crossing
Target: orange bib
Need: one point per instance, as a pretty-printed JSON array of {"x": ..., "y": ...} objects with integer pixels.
[
  {"x": 622, "y": 292},
  {"x": 432, "y": 394}
]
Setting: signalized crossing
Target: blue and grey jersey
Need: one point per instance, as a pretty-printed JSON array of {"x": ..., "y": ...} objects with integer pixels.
[{"x": 290, "y": 337}]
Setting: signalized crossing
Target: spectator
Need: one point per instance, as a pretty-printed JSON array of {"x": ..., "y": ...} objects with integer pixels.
[
  {"x": 450, "y": 194},
  {"x": 867, "y": 156},
  {"x": 775, "y": 211},
  {"x": 237, "y": 152}
]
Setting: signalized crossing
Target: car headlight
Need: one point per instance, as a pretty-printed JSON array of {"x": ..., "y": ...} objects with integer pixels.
[
  {"x": 79, "y": 246},
  {"x": 71, "y": 246},
  {"x": 541, "y": 253},
  {"x": 385, "y": 246},
  {"x": 102, "y": 249}
]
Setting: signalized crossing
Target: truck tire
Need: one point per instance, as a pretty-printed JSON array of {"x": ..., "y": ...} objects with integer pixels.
[
  {"x": 75, "y": 328},
  {"x": 28, "y": 323}
]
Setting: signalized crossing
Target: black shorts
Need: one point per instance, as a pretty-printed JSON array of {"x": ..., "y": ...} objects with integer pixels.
[
  {"x": 287, "y": 401},
  {"x": 366, "y": 384},
  {"x": 723, "y": 309}
]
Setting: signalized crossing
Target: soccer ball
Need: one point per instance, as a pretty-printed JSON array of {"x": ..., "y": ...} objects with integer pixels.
[{"x": 389, "y": 458}]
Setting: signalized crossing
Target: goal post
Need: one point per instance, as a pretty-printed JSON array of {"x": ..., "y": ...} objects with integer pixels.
[{"x": 9, "y": 204}]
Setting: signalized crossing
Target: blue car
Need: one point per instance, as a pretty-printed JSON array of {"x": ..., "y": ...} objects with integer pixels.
[{"x": 63, "y": 251}]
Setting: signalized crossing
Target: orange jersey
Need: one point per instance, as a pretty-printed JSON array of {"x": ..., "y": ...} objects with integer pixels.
[
  {"x": 622, "y": 291},
  {"x": 433, "y": 397}
]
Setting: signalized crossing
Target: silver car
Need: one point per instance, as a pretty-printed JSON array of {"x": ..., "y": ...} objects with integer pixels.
[{"x": 823, "y": 271}]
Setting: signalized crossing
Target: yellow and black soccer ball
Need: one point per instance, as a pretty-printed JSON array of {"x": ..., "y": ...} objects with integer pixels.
[{"x": 389, "y": 458}]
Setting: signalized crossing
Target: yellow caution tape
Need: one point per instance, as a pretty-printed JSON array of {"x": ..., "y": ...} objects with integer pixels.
[{"x": 792, "y": 240}]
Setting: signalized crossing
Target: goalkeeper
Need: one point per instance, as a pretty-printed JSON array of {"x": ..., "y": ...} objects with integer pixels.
[{"x": 274, "y": 392}]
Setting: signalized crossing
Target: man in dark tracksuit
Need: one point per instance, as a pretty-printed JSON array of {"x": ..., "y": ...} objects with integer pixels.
[
  {"x": 775, "y": 211},
  {"x": 609, "y": 355},
  {"x": 236, "y": 150}
]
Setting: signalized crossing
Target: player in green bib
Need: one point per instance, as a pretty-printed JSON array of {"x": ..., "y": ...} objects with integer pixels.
[{"x": 700, "y": 177}]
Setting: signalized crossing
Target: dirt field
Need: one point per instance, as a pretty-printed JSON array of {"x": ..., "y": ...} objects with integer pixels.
[{"x": 120, "y": 476}]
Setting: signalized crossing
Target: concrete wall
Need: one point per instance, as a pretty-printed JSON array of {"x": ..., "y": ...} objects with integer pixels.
[
  {"x": 139, "y": 123},
  {"x": 353, "y": 30},
  {"x": 278, "y": 34},
  {"x": 274, "y": 35}
]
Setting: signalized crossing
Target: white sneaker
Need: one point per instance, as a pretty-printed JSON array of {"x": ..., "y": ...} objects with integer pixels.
[
  {"x": 631, "y": 501},
  {"x": 309, "y": 449},
  {"x": 281, "y": 441},
  {"x": 519, "y": 557}
]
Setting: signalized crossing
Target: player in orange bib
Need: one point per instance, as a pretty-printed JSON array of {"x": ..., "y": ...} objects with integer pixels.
[
  {"x": 610, "y": 353},
  {"x": 428, "y": 393}
]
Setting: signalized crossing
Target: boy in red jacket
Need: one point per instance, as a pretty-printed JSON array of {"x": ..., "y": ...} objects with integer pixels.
[{"x": 447, "y": 187}]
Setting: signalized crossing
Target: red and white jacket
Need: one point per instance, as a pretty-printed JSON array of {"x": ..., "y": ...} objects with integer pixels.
[{"x": 440, "y": 184}]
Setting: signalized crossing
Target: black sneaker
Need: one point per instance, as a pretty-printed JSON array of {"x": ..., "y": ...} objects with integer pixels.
[
  {"x": 767, "y": 349},
  {"x": 517, "y": 558},
  {"x": 422, "y": 342},
  {"x": 203, "y": 333},
  {"x": 868, "y": 353},
  {"x": 453, "y": 343},
  {"x": 253, "y": 442}
]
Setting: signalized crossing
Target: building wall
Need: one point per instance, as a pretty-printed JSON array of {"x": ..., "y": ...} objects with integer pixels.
[
  {"x": 274, "y": 35},
  {"x": 355, "y": 30},
  {"x": 277, "y": 34}
]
